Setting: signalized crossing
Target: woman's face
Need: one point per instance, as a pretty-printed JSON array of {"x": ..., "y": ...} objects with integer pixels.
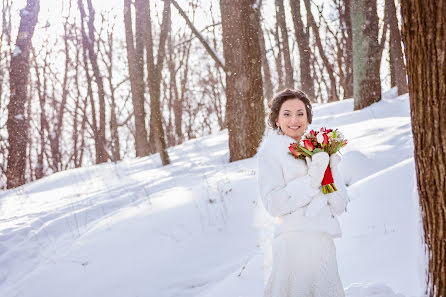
[{"x": 292, "y": 119}]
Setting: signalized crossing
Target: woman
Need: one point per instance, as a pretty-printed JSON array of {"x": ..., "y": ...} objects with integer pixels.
[{"x": 304, "y": 255}]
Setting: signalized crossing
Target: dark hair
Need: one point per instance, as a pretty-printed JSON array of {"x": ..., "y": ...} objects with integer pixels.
[{"x": 276, "y": 103}]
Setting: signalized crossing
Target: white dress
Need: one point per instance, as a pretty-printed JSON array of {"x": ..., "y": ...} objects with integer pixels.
[{"x": 303, "y": 255}]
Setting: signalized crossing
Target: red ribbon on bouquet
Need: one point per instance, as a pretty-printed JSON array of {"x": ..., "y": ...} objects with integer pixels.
[{"x": 328, "y": 185}]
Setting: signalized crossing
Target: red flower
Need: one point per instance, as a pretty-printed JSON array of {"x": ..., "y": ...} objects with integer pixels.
[
  {"x": 312, "y": 132},
  {"x": 325, "y": 142},
  {"x": 293, "y": 150},
  {"x": 308, "y": 145}
]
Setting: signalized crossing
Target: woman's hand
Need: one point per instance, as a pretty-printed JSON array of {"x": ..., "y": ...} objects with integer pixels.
[
  {"x": 316, "y": 167},
  {"x": 334, "y": 160}
]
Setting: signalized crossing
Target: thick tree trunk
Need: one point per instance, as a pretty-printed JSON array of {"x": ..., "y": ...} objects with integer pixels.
[
  {"x": 366, "y": 53},
  {"x": 17, "y": 125},
  {"x": 154, "y": 78},
  {"x": 303, "y": 42},
  {"x": 244, "y": 101},
  {"x": 424, "y": 35},
  {"x": 136, "y": 83},
  {"x": 397, "y": 67},
  {"x": 281, "y": 19}
]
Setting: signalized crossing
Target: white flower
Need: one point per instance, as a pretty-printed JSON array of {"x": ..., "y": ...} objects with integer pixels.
[{"x": 320, "y": 138}]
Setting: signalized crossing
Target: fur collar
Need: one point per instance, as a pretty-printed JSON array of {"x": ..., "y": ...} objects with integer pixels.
[{"x": 275, "y": 142}]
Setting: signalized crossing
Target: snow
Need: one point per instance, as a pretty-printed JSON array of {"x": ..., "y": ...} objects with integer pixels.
[
  {"x": 19, "y": 117},
  {"x": 17, "y": 51},
  {"x": 135, "y": 228}
]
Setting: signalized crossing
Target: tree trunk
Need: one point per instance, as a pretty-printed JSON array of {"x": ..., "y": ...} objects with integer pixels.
[
  {"x": 303, "y": 42},
  {"x": 366, "y": 53},
  {"x": 88, "y": 43},
  {"x": 281, "y": 19},
  {"x": 397, "y": 67},
  {"x": 136, "y": 84},
  {"x": 333, "y": 92},
  {"x": 348, "y": 68},
  {"x": 424, "y": 35},
  {"x": 279, "y": 58},
  {"x": 19, "y": 73},
  {"x": 244, "y": 102},
  {"x": 154, "y": 78},
  {"x": 267, "y": 83}
]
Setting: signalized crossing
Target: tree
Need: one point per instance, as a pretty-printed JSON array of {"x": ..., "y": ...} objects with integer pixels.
[
  {"x": 88, "y": 43},
  {"x": 366, "y": 53},
  {"x": 17, "y": 125},
  {"x": 303, "y": 42},
  {"x": 154, "y": 78},
  {"x": 424, "y": 35},
  {"x": 136, "y": 71},
  {"x": 267, "y": 83},
  {"x": 333, "y": 93},
  {"x": 346, "y": 71},
  {"x": 281, "y": 20},
  {"x": 397, "y": 67},
  {"x": 245, "y": 112}
]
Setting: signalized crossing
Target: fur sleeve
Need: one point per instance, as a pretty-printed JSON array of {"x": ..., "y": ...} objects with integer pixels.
[{"x": 278, "y": 197}]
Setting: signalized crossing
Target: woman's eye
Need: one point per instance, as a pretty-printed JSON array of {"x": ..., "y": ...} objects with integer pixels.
[
  {"x": 286, "y": 114},
  {"x": 301, "y": 114}
]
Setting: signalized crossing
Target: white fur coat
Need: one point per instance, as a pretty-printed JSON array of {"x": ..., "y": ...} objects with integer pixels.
[{"x": 287, "y": 193}]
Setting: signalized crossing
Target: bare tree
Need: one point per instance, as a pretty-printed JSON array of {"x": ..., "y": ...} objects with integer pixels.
[
  {"x": 244, "y": 102},
  {"x": 303, "y": 42},
  {"x": 424, "y": 33},
  {"x": 136, "y": 73},
  {"x": 89, "y": 42},
  {"x": 397, "y": 68},
  {"x": 281, "y": 20},
  {"x": 17, "y": 123},
  {"x": 267, "y": 83},
  {"x": 366, "y": 53},
  {"x": 333, "y": 93},
  {"x": 154, "y": 78},
  {"x": 346, "y": 47}
]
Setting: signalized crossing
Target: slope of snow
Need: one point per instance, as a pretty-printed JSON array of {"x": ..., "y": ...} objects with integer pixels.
[{"x": 135, "y": 228}]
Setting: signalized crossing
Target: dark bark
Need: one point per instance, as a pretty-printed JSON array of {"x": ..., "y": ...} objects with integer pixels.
[
  {"x": 17, "y": 125},
  {"x": 424, "y": 35},
  {"x": 244, "y": 92}
]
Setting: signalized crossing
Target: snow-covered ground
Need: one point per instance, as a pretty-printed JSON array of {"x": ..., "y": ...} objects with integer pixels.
[{"x": 136, "y": 228}]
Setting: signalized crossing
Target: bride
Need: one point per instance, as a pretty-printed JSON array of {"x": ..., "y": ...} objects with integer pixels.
[{"x": 304, "y": 255}]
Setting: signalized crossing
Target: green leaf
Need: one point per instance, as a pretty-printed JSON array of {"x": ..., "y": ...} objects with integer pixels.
[
  {"x": 307, "y": 151},
  {"x": 317, "y": 150}
]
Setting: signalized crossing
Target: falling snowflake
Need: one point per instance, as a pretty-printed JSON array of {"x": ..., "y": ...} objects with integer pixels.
[
  {"x": 17, "y": 51},
  {"x": 19, "y": 117}
]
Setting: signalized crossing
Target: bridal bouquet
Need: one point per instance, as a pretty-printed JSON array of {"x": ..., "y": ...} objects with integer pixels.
[{"x": 325, "y": 140}]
